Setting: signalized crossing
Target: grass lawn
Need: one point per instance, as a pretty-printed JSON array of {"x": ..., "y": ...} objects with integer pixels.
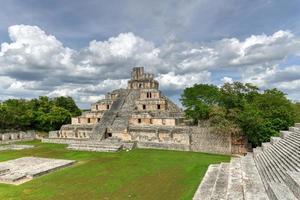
[{"x": 137, "y": 174}]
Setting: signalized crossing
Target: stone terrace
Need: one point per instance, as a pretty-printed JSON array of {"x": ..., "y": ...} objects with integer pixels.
[
  {"x": 25, "y": 169},
  {"x": 15, "y": 147},
  {"x": 270, "y": 172}
]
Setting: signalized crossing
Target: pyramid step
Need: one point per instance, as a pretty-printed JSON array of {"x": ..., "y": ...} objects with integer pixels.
[
  {"x": 295, "y": 134},
  {"x": 265, "y": 145},
  {"x": 99, "y": 149},
  {"x": 293, "y": 182},
  {"x": 294, "y": 129},
  {"x": 294, "y": 139},
  {"x": 290, "y": 153},
  {"x": 275, "y": 140},
  {"x": 205, "y": 188},
  {"x": 287, "y": 162},
  {"x": 257, "y": 151},
  {"x": 275, "y": 167},
  {"x": 279, "y": 191},
  {"x": 253, "y": 186},
  {"x": 220, "y": 188},
  {"x": 129, "y": 145},
  {"x": 261, "y": 167},
  {"x": 284, "y": 134},
  {"x": 95, "y": 147},
  {"x": 287, "y": 146},
  {"x": 266, "y": 167},
  {"x": 235, "y": 180},
  {"x": 297, "y": 125},
  {"x": 260, "y": 170}
]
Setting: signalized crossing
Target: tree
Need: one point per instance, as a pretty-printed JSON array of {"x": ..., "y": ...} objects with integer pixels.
[
  {"x": 42, "y": 113},
  {"x": 259, "y": 114},
  {"x": 236, "y": 95},
  {"x": 67, "y": 103},
  {"x": 296, "y": 108},
  {"x": 276, "y": 109},
  {"x": 198, "y": 99}
]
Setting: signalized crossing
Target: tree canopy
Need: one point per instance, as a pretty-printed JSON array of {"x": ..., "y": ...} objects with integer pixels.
[
  {"x": 259, "y": 114},
  {"x": 43, "y": 113}
]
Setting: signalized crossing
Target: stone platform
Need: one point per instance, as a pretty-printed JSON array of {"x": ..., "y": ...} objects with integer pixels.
[
  {"x": 24, "y": 169},
  {"x": 107, "y": 145},
  {"x": 15, "y": 147}
]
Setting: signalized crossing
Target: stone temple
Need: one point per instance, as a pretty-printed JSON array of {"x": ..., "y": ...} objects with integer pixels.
[
  {"x": 141, "y": 104},
  {"x": 140, "y": 115}
]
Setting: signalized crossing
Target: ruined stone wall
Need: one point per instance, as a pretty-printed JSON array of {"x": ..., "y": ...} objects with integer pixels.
[
  {"x": 7, "y": 137},
  {"x": 198, "y": 139},
  {"x": 73, "y": 131},
  {"x": 77, "y": 134},
  {"x": 207, "y": 139},
  {"x": 160, "y": 138}
]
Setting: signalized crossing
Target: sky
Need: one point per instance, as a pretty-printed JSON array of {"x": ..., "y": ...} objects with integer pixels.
[{"x": 84, "y": 49}]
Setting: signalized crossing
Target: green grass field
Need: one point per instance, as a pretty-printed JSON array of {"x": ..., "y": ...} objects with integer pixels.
[{"x": 137, "y": 174}]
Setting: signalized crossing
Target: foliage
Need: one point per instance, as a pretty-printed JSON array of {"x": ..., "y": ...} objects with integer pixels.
[
  {"x": 199, "y": 99},
  {"x": 43, "y": 114},
  {"x": 296, "y": 108},
  {"x": 259, "y": 114}
]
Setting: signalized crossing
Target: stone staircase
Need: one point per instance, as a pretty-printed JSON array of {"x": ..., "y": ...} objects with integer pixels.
[
  {"x": 236, "y": 180},
  {"x": 115, "y": 119},
  {"x": 277, "y": 160},
  {"x": 121, "y": 120},
  {"x": 99, "y": 146},
  {"x": 270, "y": 172},
  {"x": 107, "y": 145},
  {"x": 99, "y": 130}
]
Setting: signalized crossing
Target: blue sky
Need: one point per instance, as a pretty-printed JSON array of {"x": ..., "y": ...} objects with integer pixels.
[{"x": 86, "y": 48}]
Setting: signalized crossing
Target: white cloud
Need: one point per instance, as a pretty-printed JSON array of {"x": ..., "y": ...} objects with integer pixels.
[
  {"x": 286, "y": 79},
  {"x": 36, "y": 63},
  {"x": 226, "y": 79},
  {"x": 175, "y": 82}
]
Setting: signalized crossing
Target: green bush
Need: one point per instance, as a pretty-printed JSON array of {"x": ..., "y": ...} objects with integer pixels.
[{"x": 42, "y": 114}]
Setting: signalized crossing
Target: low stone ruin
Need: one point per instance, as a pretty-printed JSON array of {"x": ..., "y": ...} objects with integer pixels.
[
  {"x": 24, "y": 169},
  {"x": 9, "y": 137},
  {"x": 15, "y": 147}
]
